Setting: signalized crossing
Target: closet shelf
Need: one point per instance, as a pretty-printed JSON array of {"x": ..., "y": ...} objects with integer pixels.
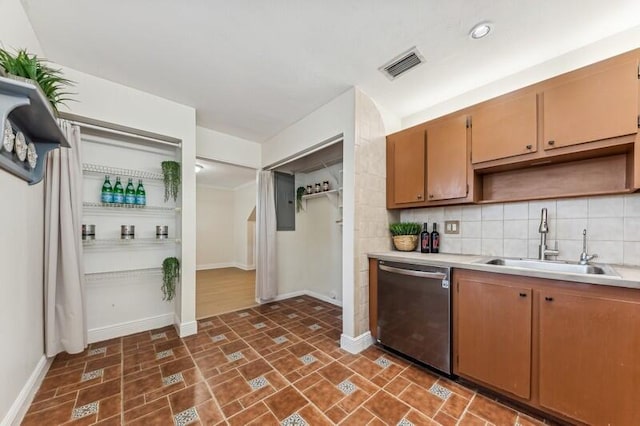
[
  {"x": 115, "y": 171},
  {"x": 120, "y": 274},
  {"x": 120, "y": 243},
  {"x": 113, "y": 208},
  {"x": 332, "y": 195}
]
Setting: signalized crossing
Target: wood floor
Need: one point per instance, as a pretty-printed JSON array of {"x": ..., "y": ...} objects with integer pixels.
[{"x": 224, "y": 290}]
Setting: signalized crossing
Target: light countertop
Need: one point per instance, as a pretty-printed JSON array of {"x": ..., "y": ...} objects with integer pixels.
[{"x": 628, "y": 276}]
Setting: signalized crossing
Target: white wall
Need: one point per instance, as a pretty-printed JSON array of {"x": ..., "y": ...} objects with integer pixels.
[
  {"x": 226, "y": 148},
  {"x": 21, "y": 254},
  {"x": 603, "y": 49},
  {"x": 244, "y": 202},
  {"x": 214, "y": 231},
  {"x": 335, "y": 118}
]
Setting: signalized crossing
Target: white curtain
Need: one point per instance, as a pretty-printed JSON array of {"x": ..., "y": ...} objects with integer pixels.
[
  {"x": 64, "y": 306},
  {"x": 266, "y": 286}
]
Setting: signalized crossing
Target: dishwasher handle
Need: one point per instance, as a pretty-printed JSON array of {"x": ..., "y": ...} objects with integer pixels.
[{"x": 412, "y": 273}]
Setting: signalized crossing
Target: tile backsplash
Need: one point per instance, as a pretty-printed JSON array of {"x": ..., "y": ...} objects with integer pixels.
[{"x": 511, "y": 229}]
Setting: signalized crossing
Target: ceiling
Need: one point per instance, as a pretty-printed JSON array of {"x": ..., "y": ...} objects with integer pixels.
[
  {"x": 252, "y": 68},
  {"x": 222, "y": 175}
]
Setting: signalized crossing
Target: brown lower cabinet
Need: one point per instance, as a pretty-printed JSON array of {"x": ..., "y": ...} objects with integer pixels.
[{"x": 570, "y": 349}]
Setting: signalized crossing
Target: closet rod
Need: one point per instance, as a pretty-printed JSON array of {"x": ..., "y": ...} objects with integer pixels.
[{"x": 103, "y": 126}]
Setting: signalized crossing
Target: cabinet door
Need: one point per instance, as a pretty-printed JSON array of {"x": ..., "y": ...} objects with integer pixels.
[
  {"x": 589, "y": 358},
  {"x": 494, "y": 335},
  {"x": 504, "y": 128},
  {"x": 408, "y": 166},
  {"x": 447, "y": 159},
  {"x": 600, "y": 106}
]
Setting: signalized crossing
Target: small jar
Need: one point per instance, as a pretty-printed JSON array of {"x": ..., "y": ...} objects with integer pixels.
[
  {"x": 162, "y": 232},
  {"x": 309, "y": 189},
  {"x": 318, "y": 188},
  {"x": 127, "y": 232},
  {"x": 325, "y": 185},
  {"x": 88, "y": 232}
]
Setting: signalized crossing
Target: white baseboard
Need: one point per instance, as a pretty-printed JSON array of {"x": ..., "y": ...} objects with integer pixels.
[
  {"x": 358, "y": 344},
  {"x": 225, "y": 265},
  {"x": 21, "y": 404},
  {"x": 303, "y": 293},
  {"x": 214, "y": 266},
  {"x": 185, "y": 329},
  {"x": 125, "y": 328}
]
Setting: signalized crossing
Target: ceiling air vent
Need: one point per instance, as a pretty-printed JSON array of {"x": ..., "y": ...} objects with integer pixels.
[{"x": 402, "y": 63}]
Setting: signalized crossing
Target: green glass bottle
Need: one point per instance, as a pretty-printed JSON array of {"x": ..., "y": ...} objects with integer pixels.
[
  {"x": 141, "y": 195},
  {"x": 118, "y": 192},
  {"x": 130, "y": 193},
  {"x": 106, "y": 195}
]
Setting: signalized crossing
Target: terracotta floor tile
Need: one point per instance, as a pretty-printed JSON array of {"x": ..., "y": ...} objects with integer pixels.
[
  {"x": 492, "y": 411},
  {"x": 525, "y": 420},
  {"x": 469, "y": 419},
  {"x": 335, "y": 373},
  {"x": 285, "y": 402},
  {"x": 386, "y": 407},
  {"x": 421, "y": 399},
  {"x": 133, "y": 384},
  {"x": 324, "y": 394}
]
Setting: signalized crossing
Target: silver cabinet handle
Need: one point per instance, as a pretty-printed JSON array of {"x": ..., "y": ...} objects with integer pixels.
[{"x": 421, "y": 274}]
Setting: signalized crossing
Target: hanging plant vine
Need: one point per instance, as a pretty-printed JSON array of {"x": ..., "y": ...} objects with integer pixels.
[
  {"x": 170, "y": 274},
  {"x": 299, "y": 193},
  {"x": 171, "y": 174}
]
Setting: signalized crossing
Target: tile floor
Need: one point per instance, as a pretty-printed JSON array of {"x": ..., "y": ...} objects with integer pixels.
[{"x": 278, "y": 363}]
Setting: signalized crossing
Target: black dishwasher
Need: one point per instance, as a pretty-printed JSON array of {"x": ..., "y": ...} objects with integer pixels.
[{"x": 414, "y": 312}]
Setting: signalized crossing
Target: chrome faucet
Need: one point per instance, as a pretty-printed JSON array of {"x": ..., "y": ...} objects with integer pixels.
[
  {"x": 584, "y": 257},
  {"x": 543, "y": 251}
]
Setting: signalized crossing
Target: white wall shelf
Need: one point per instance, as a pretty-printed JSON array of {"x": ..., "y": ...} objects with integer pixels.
[
  {"x": 114, "y": 208},
  {"x": 136, "y": 243},
  {"x": 115, "y": 171},
  {"x": 332, "y": 195}
]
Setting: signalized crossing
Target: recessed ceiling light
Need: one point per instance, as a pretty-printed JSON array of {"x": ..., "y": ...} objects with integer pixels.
[
  {"x": 199, "y": 167},
  {"x": 480, "y": 30}
]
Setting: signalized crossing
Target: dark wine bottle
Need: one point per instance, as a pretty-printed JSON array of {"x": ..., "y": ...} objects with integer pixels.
[
  {"x": 435, "y": 239},
  {"x": 425, "y": 239}
]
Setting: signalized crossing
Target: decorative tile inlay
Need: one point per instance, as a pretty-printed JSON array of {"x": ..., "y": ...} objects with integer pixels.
[
  {"x": 206, "y": 324},
  {"x": 243, "y": 314},
  {"x": 158, "y": 336},
  {"x": 294, "y": 420},
  {"x": 97, "y": 351},
  {"x": 299, "y": 300},
  {"x": 308, "y": 359},
  {"x": 318, "y": 308},
  {"x": 92, "y": 375},
  {"x": 235, "y": 356},
  {"x": 339, "y": 317},
  {"x": 292, "y": 316},
  {"x": 383, "y": 362},
  {"x": 440, "y": 391},
  {"x": 164, "y": 354},
  {"x": 187, "y": 416},
  {"x": 280, "y": 339},
  {"x": 258, "y": 382},
  {"x": 274, "y": 307},
  {"x": 259, "y": 325},
  {"x": 314, "y": 327},
  {"x": 404, "y": 422},
  {"x": 85, "y": 410},
  {"x": 347, "y": 387},
  {"x": 174, "y": 378},
  {"x": 219, "y": 337}
]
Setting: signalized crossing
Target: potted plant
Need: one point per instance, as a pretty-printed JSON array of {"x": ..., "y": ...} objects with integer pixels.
[
  {"x": 27, "y": 66},
  {"x": 405, "y": 235},
  {"x": 299, "y": 193},
  {"x": 170, "y": 274},
  {"x": 171, "y": 174}
]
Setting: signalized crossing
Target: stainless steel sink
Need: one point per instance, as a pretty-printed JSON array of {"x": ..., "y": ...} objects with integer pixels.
[{"x": 552, "y": 266}]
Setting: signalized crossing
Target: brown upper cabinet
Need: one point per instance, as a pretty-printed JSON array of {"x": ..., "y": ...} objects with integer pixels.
[
  {"x": 598, "y": 106},
  {"x": 406, "y": 177},
  {"x": 447, "y": 159},
  {"x": 504, "y": 127}
]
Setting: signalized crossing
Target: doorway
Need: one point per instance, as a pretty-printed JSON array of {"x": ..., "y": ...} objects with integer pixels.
[{"x": 225, "y": 237}]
